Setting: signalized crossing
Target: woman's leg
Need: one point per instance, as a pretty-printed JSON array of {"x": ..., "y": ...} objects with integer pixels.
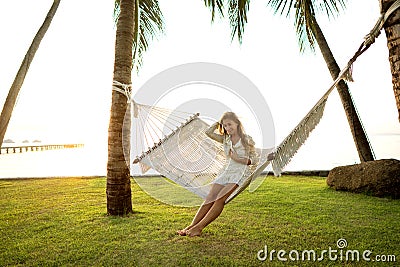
[
  {"x": 205, "y": 207},
  {"x": 214, "y": 211}
]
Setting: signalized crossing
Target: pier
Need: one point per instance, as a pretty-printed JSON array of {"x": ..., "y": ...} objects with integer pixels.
[{"x": 26, "y": 148}]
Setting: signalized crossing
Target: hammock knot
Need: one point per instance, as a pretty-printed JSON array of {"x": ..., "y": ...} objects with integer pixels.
[
  {"x": 376, "y": 30},
  {"x": 374, "y": 33},
  {"x": 348, "y": 75},
  {"x": 126, "y": 90}
]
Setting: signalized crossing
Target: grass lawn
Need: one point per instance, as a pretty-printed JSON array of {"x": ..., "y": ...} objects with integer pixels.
[{"x": 63, "y": 222}]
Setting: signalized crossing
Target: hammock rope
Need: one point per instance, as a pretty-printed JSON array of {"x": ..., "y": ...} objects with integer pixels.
[
  {"x": 125, "y": 89},
  {"x": 179, "y": 149},
  {"x": 290, "y": 145}
]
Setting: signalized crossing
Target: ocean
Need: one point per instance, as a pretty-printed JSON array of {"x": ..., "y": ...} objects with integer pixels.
[
  {"x": 84, "y": 161},
  {"x": 91, "y": 160}
]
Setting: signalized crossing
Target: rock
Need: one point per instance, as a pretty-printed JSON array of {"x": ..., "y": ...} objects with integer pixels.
[{"x": 379, "y": 178}]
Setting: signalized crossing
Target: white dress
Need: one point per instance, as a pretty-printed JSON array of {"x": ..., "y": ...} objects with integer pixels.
[{"x": 233, "y": 172}]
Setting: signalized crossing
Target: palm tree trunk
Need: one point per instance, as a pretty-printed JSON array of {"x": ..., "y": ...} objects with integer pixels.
[
  {"x": 392, "y": 31},
  {"x": 119, "y": 198},
  {"x": 359, "y": 136},
  {"x": 23, "y": 70}
]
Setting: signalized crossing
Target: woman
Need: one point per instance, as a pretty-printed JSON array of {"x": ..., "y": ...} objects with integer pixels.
[{"x": 241, "y": 155}]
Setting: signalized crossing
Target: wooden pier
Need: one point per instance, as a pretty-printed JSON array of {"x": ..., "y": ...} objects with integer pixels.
[{"x": 26, "y": 148}]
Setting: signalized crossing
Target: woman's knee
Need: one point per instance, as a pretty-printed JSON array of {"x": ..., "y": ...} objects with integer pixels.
[
  {"x": 214, "y": 192},
  {"x": 210, "y": 199}
]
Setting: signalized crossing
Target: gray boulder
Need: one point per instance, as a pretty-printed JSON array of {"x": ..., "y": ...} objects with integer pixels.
[{"x": 378, "y": 178}]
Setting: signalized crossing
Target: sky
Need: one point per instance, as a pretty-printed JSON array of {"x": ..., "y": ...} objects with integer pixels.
[{"x": 66, "y": 96}]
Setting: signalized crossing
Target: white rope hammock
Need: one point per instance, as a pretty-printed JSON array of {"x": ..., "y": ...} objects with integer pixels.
[
  {"x": 174, "y": 143},
  {"x": 186, "y": 155}
]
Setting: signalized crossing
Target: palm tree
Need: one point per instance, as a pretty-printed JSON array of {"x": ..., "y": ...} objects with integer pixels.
[
  {"x": 308, "y": 32},
  {"x": 137, "y": 21},
  {"x": 393, "y": 42},
  {"x": 23, "y": 70}
]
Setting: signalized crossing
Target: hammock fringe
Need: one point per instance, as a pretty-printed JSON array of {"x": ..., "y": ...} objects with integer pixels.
[{"x": 291, "y": 144}]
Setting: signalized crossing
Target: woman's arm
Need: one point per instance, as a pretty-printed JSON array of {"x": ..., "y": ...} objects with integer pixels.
[{"x": 210, "y": 132}]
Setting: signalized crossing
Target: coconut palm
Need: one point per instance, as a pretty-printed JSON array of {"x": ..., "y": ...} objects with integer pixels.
[
  {"x": 137, "y": 21},
  {"x": 309, "y": 34},
  {"x": 393, "y": 42},
  {"x": 359, "y": 136},
  {"x": 23, "y": 70}
]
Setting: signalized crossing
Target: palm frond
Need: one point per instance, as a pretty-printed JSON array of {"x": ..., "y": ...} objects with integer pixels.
[
  {"x": 117, "y": 10},
  {"x": 215, "y": 5},
  {"x": 237, "y": 12},
  {"x": 149, "y": 25},
  {"x": 304, "y": 21},
  {"x": 330, "y": 7},
  {"x": 305, "y": 12},
  {"x": 282, "y": 6}
]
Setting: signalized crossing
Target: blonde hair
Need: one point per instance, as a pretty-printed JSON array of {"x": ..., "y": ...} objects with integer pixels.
[{"x": 232, "y": 116}]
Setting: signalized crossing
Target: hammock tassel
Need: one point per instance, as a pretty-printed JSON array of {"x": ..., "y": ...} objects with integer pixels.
[
  {"x": 348, "y": 75},
  {"x": 291, "y": 144}
]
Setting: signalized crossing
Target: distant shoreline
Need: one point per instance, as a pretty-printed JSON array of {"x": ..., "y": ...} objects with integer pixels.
[
  {"x": 41, "y": 147},
  {"x": 318, "y": 173}
]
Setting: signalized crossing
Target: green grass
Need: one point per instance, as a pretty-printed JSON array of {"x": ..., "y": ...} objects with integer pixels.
[{"x": 63, "y": 222}]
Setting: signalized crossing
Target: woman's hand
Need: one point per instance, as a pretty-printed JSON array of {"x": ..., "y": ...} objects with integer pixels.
[
  {"x": 271, "y": 156},
  {"x": 233, "y": 155}
]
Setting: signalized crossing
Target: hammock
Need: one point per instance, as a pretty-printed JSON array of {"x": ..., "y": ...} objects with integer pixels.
[
  {"x": 187, "y": 155},
  {"x": 174, "y": 143}
]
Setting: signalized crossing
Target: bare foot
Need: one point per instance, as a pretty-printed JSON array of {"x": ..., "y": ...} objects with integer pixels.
[
  {"x": 183, "y": 232},
  {"x": 193, "y": 232}
]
